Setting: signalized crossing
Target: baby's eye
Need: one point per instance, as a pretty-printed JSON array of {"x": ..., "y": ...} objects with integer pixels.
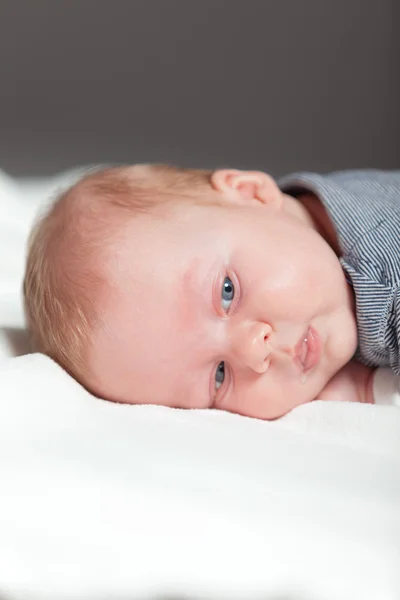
[
  {"x": 227, "y": 294},
  {"x": 220, "y": 375}
]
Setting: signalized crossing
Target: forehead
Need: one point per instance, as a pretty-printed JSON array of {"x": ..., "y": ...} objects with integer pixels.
[{"x": 151, "y": 316}]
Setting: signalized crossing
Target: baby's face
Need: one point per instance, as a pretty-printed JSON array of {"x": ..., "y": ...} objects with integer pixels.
[{"x": 210, "y": 306}]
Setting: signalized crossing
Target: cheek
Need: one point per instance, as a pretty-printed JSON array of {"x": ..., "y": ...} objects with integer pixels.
[
  {"x": 275, "y": 394},
  {"x": 281, "y": 291},
  {"x": 269, "y": 405},
  {"x": 293, "y": 279}
]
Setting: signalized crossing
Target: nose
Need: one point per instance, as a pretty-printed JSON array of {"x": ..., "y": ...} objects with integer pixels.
[{"x": 251, "y": 345}]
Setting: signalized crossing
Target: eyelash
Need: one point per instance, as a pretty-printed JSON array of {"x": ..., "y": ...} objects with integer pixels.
[
  {"x": 237, "y": 293},
  {"x": 233, "y": 307}
]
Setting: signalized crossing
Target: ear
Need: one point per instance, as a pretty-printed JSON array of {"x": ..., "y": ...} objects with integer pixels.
[{"x": 244, "y": 186}]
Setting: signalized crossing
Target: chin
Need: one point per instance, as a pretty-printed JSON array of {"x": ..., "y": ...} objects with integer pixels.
[{"x": 314, "y": 389}]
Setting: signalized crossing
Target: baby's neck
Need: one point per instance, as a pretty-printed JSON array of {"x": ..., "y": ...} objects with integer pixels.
[{"x": 308, "y": 208}]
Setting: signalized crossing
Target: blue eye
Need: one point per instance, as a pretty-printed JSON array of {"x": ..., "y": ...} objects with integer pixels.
[
  {"x": 227, "y": 293},
  {"x": 220, "y": 375}
]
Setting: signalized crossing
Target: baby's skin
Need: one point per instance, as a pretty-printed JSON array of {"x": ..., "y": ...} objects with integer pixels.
[
  {"x": 353, "y": 383},
  {"x": 240, "y": 305}
]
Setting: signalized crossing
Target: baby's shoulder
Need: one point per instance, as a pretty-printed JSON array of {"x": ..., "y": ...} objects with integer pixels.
[{"x": 369, "y": 182}]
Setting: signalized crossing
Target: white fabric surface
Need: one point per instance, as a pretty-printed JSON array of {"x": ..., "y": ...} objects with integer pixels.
[
  {"x": 386, "y": 387},
  {"x": 100, "y": 500}
]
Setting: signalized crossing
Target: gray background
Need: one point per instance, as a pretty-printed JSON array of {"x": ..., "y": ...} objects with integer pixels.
[{"x": 274, "y": 84}]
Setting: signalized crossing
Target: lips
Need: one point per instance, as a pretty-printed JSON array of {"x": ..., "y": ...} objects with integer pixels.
[{"x": 308, "y": 350}]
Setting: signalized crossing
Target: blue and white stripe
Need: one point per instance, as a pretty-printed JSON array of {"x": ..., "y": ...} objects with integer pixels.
[{"x": 364, "y": 207}]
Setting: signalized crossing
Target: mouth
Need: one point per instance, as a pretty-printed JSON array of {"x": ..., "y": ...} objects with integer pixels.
[{"x": 308, "y": 350}]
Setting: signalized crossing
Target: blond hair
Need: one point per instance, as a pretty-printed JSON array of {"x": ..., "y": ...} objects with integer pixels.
[{"x": 63, "y": 278}]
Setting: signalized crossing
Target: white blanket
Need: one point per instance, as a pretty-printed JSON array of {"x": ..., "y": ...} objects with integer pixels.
[{"x": 100, "y": 500}]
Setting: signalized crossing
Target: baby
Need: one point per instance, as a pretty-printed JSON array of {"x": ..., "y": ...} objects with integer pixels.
[{"x": 197, "y": 289}]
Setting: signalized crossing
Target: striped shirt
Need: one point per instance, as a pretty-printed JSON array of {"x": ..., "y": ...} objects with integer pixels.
[{"x": 364, "y": 207}]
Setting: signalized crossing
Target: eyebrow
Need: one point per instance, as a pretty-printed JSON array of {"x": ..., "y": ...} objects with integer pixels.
[
  {"x": 186, "y": 296},
  {"x": 191, "y": 278}
]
